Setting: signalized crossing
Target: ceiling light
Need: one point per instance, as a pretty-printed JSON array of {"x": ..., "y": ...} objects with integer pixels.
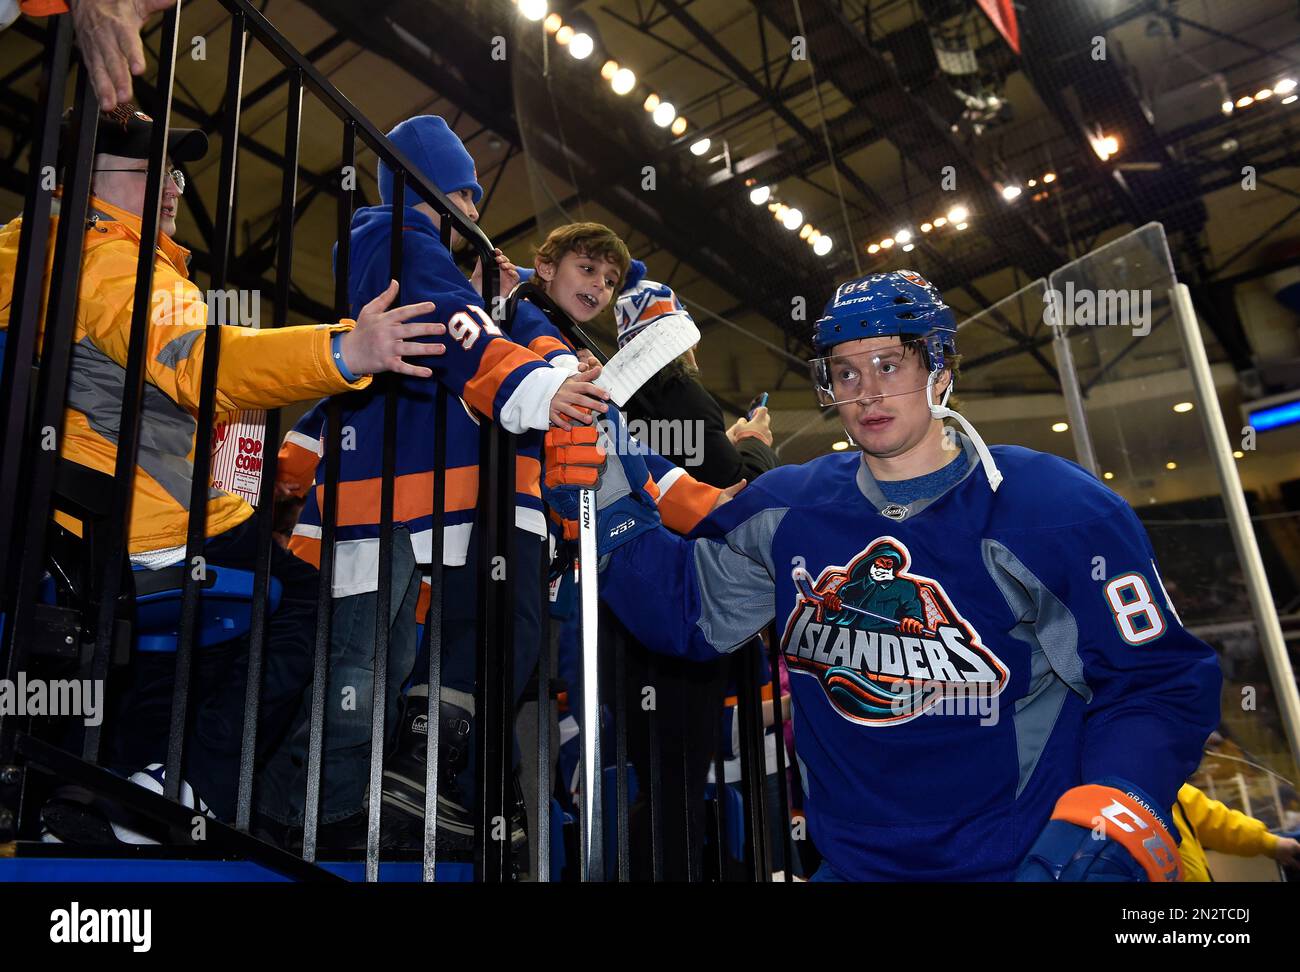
[
  {"x": 700, "y": 147},
  {"x": 608, "y": 70},
  {"x": 1285, "y": 86},
  {"x": 651, "y": 102},
  {"x": 581, "y": 46},
  {"x": 792, "y": 219},
  {"x": 1108, "y": 475},
  {"x": 759, "y": 194},
  {"x": 962, "y": 226},
  {"x": 552, "y": 23},
  {"x": 1010, "y": 192},
  {"x": 1226, "y": 107},
  {"x": 1061, "y": 427},
  {"x": 1245, "y": 101},
  {"x": 908, "y": 248},
  {"x": 533, "y": 9},
  {"x": 679, "y": 125},
  {"x": 1239, "y": 455},
  {"x": 887, "y": 242},
  {"x": 874, "y": 248},
  {"x": 806, "y": 232},
  {"x": 902, "y": 236},
  {"x": 1290, "y": 99},
  {"x": 941, "y": 221},
  {"x": 1184, "y": 407},
  {"x": 1171, "y": 465},
  {"x": 1031, "y": 183},
  {"x": 664, "y": 114},
  {"x": 956, "y": 215},
  {"x": 1105, "y": 146},
  {"x": 1049, "y": 177},
  {"x": 822, "y": 246},
  {"x": 839, "y": 446},
  {"x": 623, "y": 81},
  {"x": 926, "y": 227},
  {"x": 564, "y": 35},
  {"x": 1263, "y": 94}
]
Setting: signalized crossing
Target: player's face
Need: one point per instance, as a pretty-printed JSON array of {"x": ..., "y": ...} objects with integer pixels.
[
  {"x": 882, "y": 570},
  {"x": 885, "y": 424},
  {"x": 582, "y": 285}
]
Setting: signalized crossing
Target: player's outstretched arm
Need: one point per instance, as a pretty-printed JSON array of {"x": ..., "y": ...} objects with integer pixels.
[{"x": 692, "y": 598}]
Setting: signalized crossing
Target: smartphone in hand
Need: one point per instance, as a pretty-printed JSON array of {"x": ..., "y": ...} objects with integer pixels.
[{"x": 757, "y": 403}]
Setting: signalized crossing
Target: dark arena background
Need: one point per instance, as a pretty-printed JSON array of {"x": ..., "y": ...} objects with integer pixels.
[{"x": 198, "y": 682}]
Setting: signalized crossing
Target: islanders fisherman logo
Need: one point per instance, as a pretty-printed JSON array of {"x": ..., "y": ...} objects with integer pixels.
[{"x": 887, "y": 645}]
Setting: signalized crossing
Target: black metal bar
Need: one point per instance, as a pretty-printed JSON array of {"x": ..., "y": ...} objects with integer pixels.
[
  {"x": 620, "y": 749},
  {"x": 654, "y": 781},
  {"x": 179, "y": 819},
  {"x": 720, "y": 822},
  {"x": 778, "y": 724},
  {"x": 16, "y": 378},
  {"x": 545, "y": 774},
  {"x": 433, "y": 637},
  {"x": 693, "y": 862},
  {"x": 753, "y": 762},
  {"x": 383, "y": 594},
  {"x": 128, "y": 444}
]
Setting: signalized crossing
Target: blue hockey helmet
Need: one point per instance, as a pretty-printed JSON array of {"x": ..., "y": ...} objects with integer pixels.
[{"x": 901, "y": 303}]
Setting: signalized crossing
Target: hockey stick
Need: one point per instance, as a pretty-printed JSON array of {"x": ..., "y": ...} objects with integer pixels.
[
  {"x": 624, "y": 373},
  {"x": 803, "y": 583}
]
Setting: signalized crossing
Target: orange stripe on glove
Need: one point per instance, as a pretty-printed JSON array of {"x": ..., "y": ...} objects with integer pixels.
[{"x": 1127, "y": 821}]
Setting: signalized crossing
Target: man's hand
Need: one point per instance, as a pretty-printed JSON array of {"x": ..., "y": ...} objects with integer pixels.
[
  {"x": 728, "y": 494},
  {"x": 382, "y": 337},
  {"x": 108, "y": 33},
  {"x": 1287, "y": 852},
  {"x": 831, "y": 601},
  {"x": 910, "y": 626},
  {"x": 509, "y": 275},
  {"x": 577, "y": 398},
  {"x": 758, "y": 427}
]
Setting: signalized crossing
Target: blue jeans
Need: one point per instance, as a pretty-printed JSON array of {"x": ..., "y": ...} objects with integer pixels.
[{"x": 345, "y": 762}]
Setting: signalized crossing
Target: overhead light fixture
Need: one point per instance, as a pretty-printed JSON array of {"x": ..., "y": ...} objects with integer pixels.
[
  {"x": 962, "y": 226},
  {"x": 902, "y": 236},
  {"x": 822, "y": 246},
  {"x": 887, "y": 242},
  {"x": 780, "y": 210},
  {"x": 1263, "y": 94},
  {"x": 874, "y": 248},
  {"x": 608, "y": 70},
  {"x": 957, "y": 214},
  {"x": 1239, "y": 455},
  {"x": 1184, "y": 407},
  {"x": 1290, "y": 99},
  {"x": 700, "y": 146},
  {"x": 806, "y": 232},
  {"x": 564, "y": 35},
  {"x": 1226, "y": 107},
  {"x": 1011, "y": 192},
  {"x": 1105, "y": 146},
  {"x": 1285, "y": 86},
  {"x": 926, "y": 227},
  {"x": 1171, "y": 465},
  {"x": 581, "y": 46},
  {"x": 908, "y": 248},
  {"x": 1061, "y": 427},
  {"x": 1031, "y": 183},
  {"x": 1049, "y": 177},
  {"x": 792, "y": 219},
  {"x": 941, "y": 221},
  {"x": 760, "y": 194},
  {"x": 1108, "y": 475},
  {"x": 664, "y": 114},
  {"x": 839, "y": 446},
  {"x": 623, "y": 81},
  {"x": 679, "y": 125},
  {"x": 552, "y": 23},
  {"x": 533, "y": 9},
  {"x": 651, "y": 102},
  {"x": 1245, "y": 101}
]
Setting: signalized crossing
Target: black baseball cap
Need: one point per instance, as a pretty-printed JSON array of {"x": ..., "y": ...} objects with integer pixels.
[{"x": 126, "y": 131}]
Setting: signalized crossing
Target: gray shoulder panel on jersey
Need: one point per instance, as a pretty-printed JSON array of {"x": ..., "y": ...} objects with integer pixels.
[
  {"x": 737, "y": 581},
  {"x": 1048, "y": 627}
]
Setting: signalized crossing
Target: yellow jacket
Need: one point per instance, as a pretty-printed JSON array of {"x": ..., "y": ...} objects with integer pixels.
[
  {"x": 1205, "y": 823},
  {"x": 258, "y": 369}
]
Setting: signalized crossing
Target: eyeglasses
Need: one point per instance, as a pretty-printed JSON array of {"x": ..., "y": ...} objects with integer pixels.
[{"x": 177, "y": 175}]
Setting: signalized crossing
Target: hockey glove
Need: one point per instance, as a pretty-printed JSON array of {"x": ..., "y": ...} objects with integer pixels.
[
  {"x": 625, "y": 508},
  {"x": 1104, "y": 831}
]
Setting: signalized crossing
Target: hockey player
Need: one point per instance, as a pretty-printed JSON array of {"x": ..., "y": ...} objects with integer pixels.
[{"x": 1038, "y": 590}]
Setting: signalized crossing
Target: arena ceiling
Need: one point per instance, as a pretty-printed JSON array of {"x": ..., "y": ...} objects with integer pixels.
[{"x": 893, "y": 96}]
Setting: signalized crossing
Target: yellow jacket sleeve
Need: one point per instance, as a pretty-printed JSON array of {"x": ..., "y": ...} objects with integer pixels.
[
  {"x": 1220, "y": 828},
  {"x": 258, "y": 368}
]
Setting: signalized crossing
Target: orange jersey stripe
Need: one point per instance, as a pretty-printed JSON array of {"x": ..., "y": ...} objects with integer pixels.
[
  {"x": 500, "y": 358},
  {"x": 687, "y": 502}
]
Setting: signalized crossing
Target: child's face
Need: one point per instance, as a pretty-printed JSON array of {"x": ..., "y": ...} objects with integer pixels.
[{"x": 582, "y": 285}]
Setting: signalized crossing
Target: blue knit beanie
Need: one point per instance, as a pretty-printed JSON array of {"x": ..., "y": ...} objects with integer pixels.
[{"x": 437, "y": 153}]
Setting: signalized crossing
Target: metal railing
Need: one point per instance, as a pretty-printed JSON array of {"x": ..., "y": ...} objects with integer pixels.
[{"x": 32, "y": 400}]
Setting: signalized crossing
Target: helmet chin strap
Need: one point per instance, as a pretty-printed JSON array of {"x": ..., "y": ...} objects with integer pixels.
[{"x": 942, "y": 411}]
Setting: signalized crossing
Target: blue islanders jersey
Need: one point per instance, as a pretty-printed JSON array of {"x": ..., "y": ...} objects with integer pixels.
[{"x": 955, "y": 664}]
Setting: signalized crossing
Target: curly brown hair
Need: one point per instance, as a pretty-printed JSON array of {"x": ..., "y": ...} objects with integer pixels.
[{"x": 594, "y": 240}]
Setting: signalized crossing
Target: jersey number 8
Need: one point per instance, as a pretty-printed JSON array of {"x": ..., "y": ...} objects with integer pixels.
[{"x": 1138, "y": 618}]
